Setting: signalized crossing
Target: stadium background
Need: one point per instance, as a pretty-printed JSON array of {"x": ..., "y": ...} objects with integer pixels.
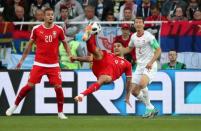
[
  {"x": 181, "y": 39},
  {"x": 176, "y": 93}
]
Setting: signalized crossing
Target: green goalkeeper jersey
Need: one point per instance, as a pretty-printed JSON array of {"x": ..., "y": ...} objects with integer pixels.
[{"x": 177, "y": 66}]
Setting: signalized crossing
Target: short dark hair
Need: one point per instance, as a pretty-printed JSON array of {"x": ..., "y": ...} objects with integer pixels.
[
  {"x": 153, "y": 7},
  {"x": 140, "y": 18},
  {"x": 173, "y": 50},
  {"x": 89, "y": 7},
  {"x": 109, "y": 13},
  {"x": 118, "y": 41},
  {"x": 63, "y": 8},
  {"x": 48, "y": 9}
]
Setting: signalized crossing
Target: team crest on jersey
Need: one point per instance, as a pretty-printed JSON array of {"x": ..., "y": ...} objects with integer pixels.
[{"x": 54, "y": 33}]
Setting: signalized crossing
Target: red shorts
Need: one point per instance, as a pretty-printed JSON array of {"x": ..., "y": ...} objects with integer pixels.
[
  {"x": 104, "y": 66},
  {"x": 53, "y": 74},
  {"x": 106, "y": 71}
]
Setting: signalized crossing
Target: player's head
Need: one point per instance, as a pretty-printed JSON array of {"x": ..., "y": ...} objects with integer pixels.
[
  {"x": 89, "y": 11},
  {"x": 139, "y": 23},
  {"x": 118, "y": 49},
  {"x": 49, "y": 15},
  {"x": 125, "y": 29},
  {"x": 172, "y": 55},
  {"x": 63, "y": 12}
]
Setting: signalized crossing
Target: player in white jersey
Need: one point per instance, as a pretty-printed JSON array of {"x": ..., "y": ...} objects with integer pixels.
[{"x": 147, "y": 52}]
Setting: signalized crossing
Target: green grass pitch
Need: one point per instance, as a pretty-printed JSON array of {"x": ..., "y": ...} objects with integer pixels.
[{"x": 100, "y": 123}]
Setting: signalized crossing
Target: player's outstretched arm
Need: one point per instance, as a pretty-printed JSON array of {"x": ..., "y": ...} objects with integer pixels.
[
  {"x": 82, "y": 59},
  {"x": 67, "y": 48},
  {"x": 128, "y": 90},
  {"x": 127, "y": 50},
  {"x": 25, "y": 53}
]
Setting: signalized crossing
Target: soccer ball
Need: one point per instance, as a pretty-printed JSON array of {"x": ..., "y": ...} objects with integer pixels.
[{"x": 96, "y": 27}]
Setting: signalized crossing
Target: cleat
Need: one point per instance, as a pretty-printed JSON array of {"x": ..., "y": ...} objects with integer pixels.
[
  {"x": 150, "y": 113},
  {"x": 79, "y": 98},
  {"x": 62, "y": 116},
  {"x": 154, "y": 113},
  {"x": 87, "y": 33},
  {"x": 10, "y": 110}
]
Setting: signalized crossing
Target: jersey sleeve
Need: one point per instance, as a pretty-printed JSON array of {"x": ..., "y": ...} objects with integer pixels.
[
  {"x": 128, "y": 70},
  {"x": 62, "y": 35},
  {"x": 131, "y": 42},
  {"x": 154, "y": 43},
  {"x": 33, "y": 34}
]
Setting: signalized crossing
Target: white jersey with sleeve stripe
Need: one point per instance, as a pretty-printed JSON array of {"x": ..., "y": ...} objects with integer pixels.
[{"x": 144, "y": 47}]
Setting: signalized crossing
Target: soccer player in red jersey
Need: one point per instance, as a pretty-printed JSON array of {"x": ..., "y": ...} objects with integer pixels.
[
  {"x": 46, "y": 37},
  {"x": 107, "y": 67}
]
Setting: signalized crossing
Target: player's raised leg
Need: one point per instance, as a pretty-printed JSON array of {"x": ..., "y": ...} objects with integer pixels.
[
  {"x": 103, "y": 79},
  {"x": 90, "y": 37},
  {"x": 91, "y": 28},
  {"x": 88, "y": 32},
  {"x": 23, "y": 93}
]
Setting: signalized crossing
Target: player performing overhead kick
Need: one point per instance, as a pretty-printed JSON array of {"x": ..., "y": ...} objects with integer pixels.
[{"x": 107, "y": 67}]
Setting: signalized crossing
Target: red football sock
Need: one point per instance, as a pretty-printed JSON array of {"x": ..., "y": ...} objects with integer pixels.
[
  {"x": 92, "y": 88},
  {"x": 60, "y": 98},
  {"x": 91, "y": 44},
  {"x": 23, "y": 92}
]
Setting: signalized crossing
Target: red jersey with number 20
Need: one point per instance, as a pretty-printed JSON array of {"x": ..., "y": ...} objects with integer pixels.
[{"x": 47, "y": 44}]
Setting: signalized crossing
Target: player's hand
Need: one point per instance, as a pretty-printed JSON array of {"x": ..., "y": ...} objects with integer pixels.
[
  {"x": 149, "y": 66},
  {"x": 128, "y": 102},
  {"x": 19, "y": 65},
  {"x": 73, "y": 58}
]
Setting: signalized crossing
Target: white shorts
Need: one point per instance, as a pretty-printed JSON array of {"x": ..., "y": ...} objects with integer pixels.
[{"x": 141, "y": 70}]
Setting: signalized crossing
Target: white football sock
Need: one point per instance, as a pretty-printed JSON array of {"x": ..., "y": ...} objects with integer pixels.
[
  {"x": 146, "y": 98},
  {"x": 141, "y": 97}
]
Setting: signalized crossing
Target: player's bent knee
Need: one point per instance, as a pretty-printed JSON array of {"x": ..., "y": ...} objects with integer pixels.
[
  {"x": 141, "y": 86},
  {"x": 104, "y": 79},
  {"x": 135, "y": 91}
]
